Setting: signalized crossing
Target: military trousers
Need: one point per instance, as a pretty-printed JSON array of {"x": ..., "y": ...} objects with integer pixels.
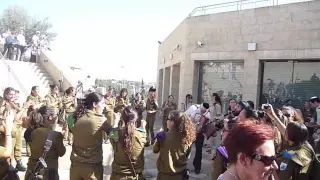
[
  {"x": 17, "y": 143},
  {"x": 198, "y": 155},
  {"x": 151, "y": 117},
  {"x": 86, "y": 171}
]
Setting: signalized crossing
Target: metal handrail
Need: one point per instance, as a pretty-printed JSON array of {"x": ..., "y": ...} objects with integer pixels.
[
  {"x": 14, "y": 75},
  {"x": 239, "y": 5}
]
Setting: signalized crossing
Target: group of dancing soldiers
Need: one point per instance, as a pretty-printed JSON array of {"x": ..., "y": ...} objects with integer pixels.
[{"x": 86, "y": 125}]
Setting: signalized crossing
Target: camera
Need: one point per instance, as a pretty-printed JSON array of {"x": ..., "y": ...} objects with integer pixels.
[
  {"x": 231, "y": 121},
  {"x": 265, "y": 106},
  {"x": 260, "y": 113}
]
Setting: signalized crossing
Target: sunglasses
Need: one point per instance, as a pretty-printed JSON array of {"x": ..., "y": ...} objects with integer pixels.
[{"x": 266, "y": 160}]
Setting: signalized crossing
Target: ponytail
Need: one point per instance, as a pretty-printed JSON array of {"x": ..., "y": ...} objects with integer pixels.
[
  {"x": 127, "y": 130},
  {"x": 187, "y": 130},
  {"x": 80, "y": 111}
]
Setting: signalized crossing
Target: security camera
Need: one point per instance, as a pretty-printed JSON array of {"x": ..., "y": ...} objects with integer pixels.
[
  {"x": 159, "y": 42},
  {"x": 199, "y": 44}
]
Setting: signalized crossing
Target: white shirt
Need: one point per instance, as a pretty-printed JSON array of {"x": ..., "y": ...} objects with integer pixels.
[
  {"x": 194, "y": 112},
  {"x": 35, "y": 39},
  {"x": 21, "y": 39}
]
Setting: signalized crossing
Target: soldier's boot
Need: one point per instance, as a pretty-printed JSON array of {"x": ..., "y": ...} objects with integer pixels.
[{"x": 20, "y": 166}]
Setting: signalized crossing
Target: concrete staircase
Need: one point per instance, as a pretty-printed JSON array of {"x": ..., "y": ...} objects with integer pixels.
[{"x": 23, "y": 75}]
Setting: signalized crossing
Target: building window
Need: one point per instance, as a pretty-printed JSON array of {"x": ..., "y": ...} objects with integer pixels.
[
  {"x": 291, "y": 82},
  {"x": 224, "y": 78}
]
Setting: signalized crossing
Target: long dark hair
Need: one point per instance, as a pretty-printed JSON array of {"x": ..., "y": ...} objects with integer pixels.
[
  {"x": 83, "y": 108},
  {"x": 217, "y": 98},
  {"x": 184, "y": 125},
  {"x": 188, "y": 96},
  {"x": 33, "y": 88},
  {"x": 122, "y": 91},
  {"x": 127, "y": 128}
]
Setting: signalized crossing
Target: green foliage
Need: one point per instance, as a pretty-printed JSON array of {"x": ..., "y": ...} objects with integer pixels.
[{"x": 15, "y": 18}]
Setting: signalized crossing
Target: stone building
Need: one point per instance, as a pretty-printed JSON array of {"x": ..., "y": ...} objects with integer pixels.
[{"x": 267, "y": 54}]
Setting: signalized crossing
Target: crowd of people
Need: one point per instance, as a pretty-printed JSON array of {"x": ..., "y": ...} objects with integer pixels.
[
  {"x": 247, "y": 143},
  {"x": 15, "y": 46}
]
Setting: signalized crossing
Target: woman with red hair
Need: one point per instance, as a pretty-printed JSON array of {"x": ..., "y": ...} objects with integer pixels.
[{"x": 251, "y": 152}]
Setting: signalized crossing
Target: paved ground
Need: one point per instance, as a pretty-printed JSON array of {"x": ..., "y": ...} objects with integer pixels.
[{"x": 150, "y": 163}]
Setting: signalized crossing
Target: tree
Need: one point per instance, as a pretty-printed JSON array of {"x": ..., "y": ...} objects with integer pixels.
[{"x": 15, "y": 18}]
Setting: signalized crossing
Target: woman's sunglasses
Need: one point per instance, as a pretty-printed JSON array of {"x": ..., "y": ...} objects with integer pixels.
[{"x": 266, "y": 160}]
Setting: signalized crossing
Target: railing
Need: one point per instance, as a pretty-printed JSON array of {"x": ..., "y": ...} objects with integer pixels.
[
  {"x": 238, "y": 6},
  {"x": 14, "y": 75}
]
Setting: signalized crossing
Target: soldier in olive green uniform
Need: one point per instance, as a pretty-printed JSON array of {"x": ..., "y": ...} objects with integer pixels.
[
  {"x": 177, "y": 141},
  {"x": 294, "y": 163},
  {"x": 43, "y": 123},
  {"x": 17, "y": 137},
  {"x": 53, "y": 99},
  {"x": 89, "y": 126},
  {"x": 6, "y": 147},
  {"x": 122, "y": 101},
  {"x": 110, "y": 105},
  {"x": 139, "y": 106},
  {"x": 128, "y": 145},
  {"x": 35, "y": 102},
  {"x": 69, "y": 103},
  {"x": 8, "y": 104},
  {"x": 151, "y": 108},
  {"x": 166, "y": 108}
]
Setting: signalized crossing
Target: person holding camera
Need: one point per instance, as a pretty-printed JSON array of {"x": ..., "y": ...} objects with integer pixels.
[
  {"x": 166, "y": 108},
  {"x": 295, "y": 161},
  {"x": 200, "y": 115}
]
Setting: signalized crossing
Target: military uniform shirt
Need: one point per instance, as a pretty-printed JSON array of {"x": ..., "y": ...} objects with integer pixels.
[
  {"x": 121, "y": 163},
  {"x": 296, "y": 164},
  {"x": 87, "y": 138}
]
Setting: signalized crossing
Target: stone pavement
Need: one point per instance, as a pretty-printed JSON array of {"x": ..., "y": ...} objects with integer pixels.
[{"x": 150, "y": 171}]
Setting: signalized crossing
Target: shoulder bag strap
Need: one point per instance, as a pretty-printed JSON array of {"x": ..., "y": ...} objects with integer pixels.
[
  {"x": 41, "y": 162},
  {"x": 132, "y": 168}
]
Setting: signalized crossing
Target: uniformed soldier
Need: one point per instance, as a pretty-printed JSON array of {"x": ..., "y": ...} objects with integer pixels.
[
  {"x": 69, "y": 103},
  {"x": 6, "y": 147},
  {"x": 151, "y": 108},
  {"x": 53, "y": 99},
  {"x": 177, "y": 141},
  {"x": 166, "y": 108},
  {"x": 139, "y": 106},
  {"x": 44, "y": 126},
  {"x": 122, "y": 101},
  {"x": 89, "y": 126},
  {"x": 17, "y": 136},
  {"x": 128, "y": 145},
  {"x": 34, "y": 98},
  {"x": 110, "y": 105},
  {"x": 35, "y": 102},
  {"x": 295, "y": 161}
]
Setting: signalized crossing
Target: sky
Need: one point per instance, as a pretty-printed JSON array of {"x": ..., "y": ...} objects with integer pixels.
[{"x": 111, "y": 39}]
